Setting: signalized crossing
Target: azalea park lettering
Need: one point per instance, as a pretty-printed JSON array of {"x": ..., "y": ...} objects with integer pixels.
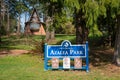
[{"x": 66, "y": 52}]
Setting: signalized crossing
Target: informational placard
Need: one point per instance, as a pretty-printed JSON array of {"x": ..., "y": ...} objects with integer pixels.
[
  {"x": 55, "y": 63},
  {"x": 77, "y": 63},
  {"x": 65, "y": 53},
  {"x": 66, "y": 63}
]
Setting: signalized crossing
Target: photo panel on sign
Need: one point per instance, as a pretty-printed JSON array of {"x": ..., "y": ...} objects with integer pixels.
[
  {"x": 66, "y": 63},
  {"x": 77, "y": 63},
  {"x": 55, "y": 63}
]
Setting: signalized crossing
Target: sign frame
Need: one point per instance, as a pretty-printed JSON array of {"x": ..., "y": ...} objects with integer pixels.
[{"x": 82, "y": 54}]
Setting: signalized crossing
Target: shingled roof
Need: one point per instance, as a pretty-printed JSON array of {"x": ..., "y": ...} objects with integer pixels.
[{"x": 34, "y": 18}]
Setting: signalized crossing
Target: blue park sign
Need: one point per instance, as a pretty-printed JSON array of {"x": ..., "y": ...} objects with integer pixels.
[{"x": 66, "y": 50}]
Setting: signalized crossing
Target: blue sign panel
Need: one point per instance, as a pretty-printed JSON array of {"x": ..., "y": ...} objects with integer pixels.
[{"x": 66, "y": 50}]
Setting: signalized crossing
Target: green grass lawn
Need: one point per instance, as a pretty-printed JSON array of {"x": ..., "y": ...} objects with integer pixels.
[{"x": 29, "y": 67}]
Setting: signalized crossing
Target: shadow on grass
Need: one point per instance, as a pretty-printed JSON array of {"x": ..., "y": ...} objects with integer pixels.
[
  {"x": 98, "y": 56},
  {"x": 101, "y": 57},
  {"x": 61, "y": 38},
  {"x": 14, "y": 42}
]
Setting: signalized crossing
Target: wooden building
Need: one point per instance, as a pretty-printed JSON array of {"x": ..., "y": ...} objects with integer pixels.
[{"x": 34, "y": 25}]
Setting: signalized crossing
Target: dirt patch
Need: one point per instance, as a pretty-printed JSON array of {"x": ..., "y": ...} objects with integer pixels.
[{"x": 13, "y": 52}]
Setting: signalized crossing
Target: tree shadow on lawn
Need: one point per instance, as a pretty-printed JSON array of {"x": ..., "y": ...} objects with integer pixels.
[
  {"x": 101, "y": 57},
  {"x": 14, "y": 42}
]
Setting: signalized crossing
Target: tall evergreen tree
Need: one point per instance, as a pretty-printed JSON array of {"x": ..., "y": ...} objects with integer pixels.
[
  {"x": 20, "y": 8},
  {"x": 115, "y": 13}
]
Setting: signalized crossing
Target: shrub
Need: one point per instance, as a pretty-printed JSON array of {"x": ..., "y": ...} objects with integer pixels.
[{"x": 39, "y": 48}]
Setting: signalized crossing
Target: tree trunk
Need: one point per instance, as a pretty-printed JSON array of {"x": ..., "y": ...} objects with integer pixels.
[
  {"x": 47, "y": 35},
  {"x": 117, "y": 43},
  {"x": 109, "y": 22},
  {"x": 50, "y": 34},
  {"x": 53, "y": 34},
  {"x": 3, "y": 10},
  {"x": 18, "y": 26},
  {"x": 0, "y": 29},
  {"x": 79, "y": 37},
  {"x": 80, "y": 28},
  {"x": 47, "y": 27},
  {"x": 25, "y": 16},
  {"x": 0, "y": 20},
  {"x": 8, "y": 22}
]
